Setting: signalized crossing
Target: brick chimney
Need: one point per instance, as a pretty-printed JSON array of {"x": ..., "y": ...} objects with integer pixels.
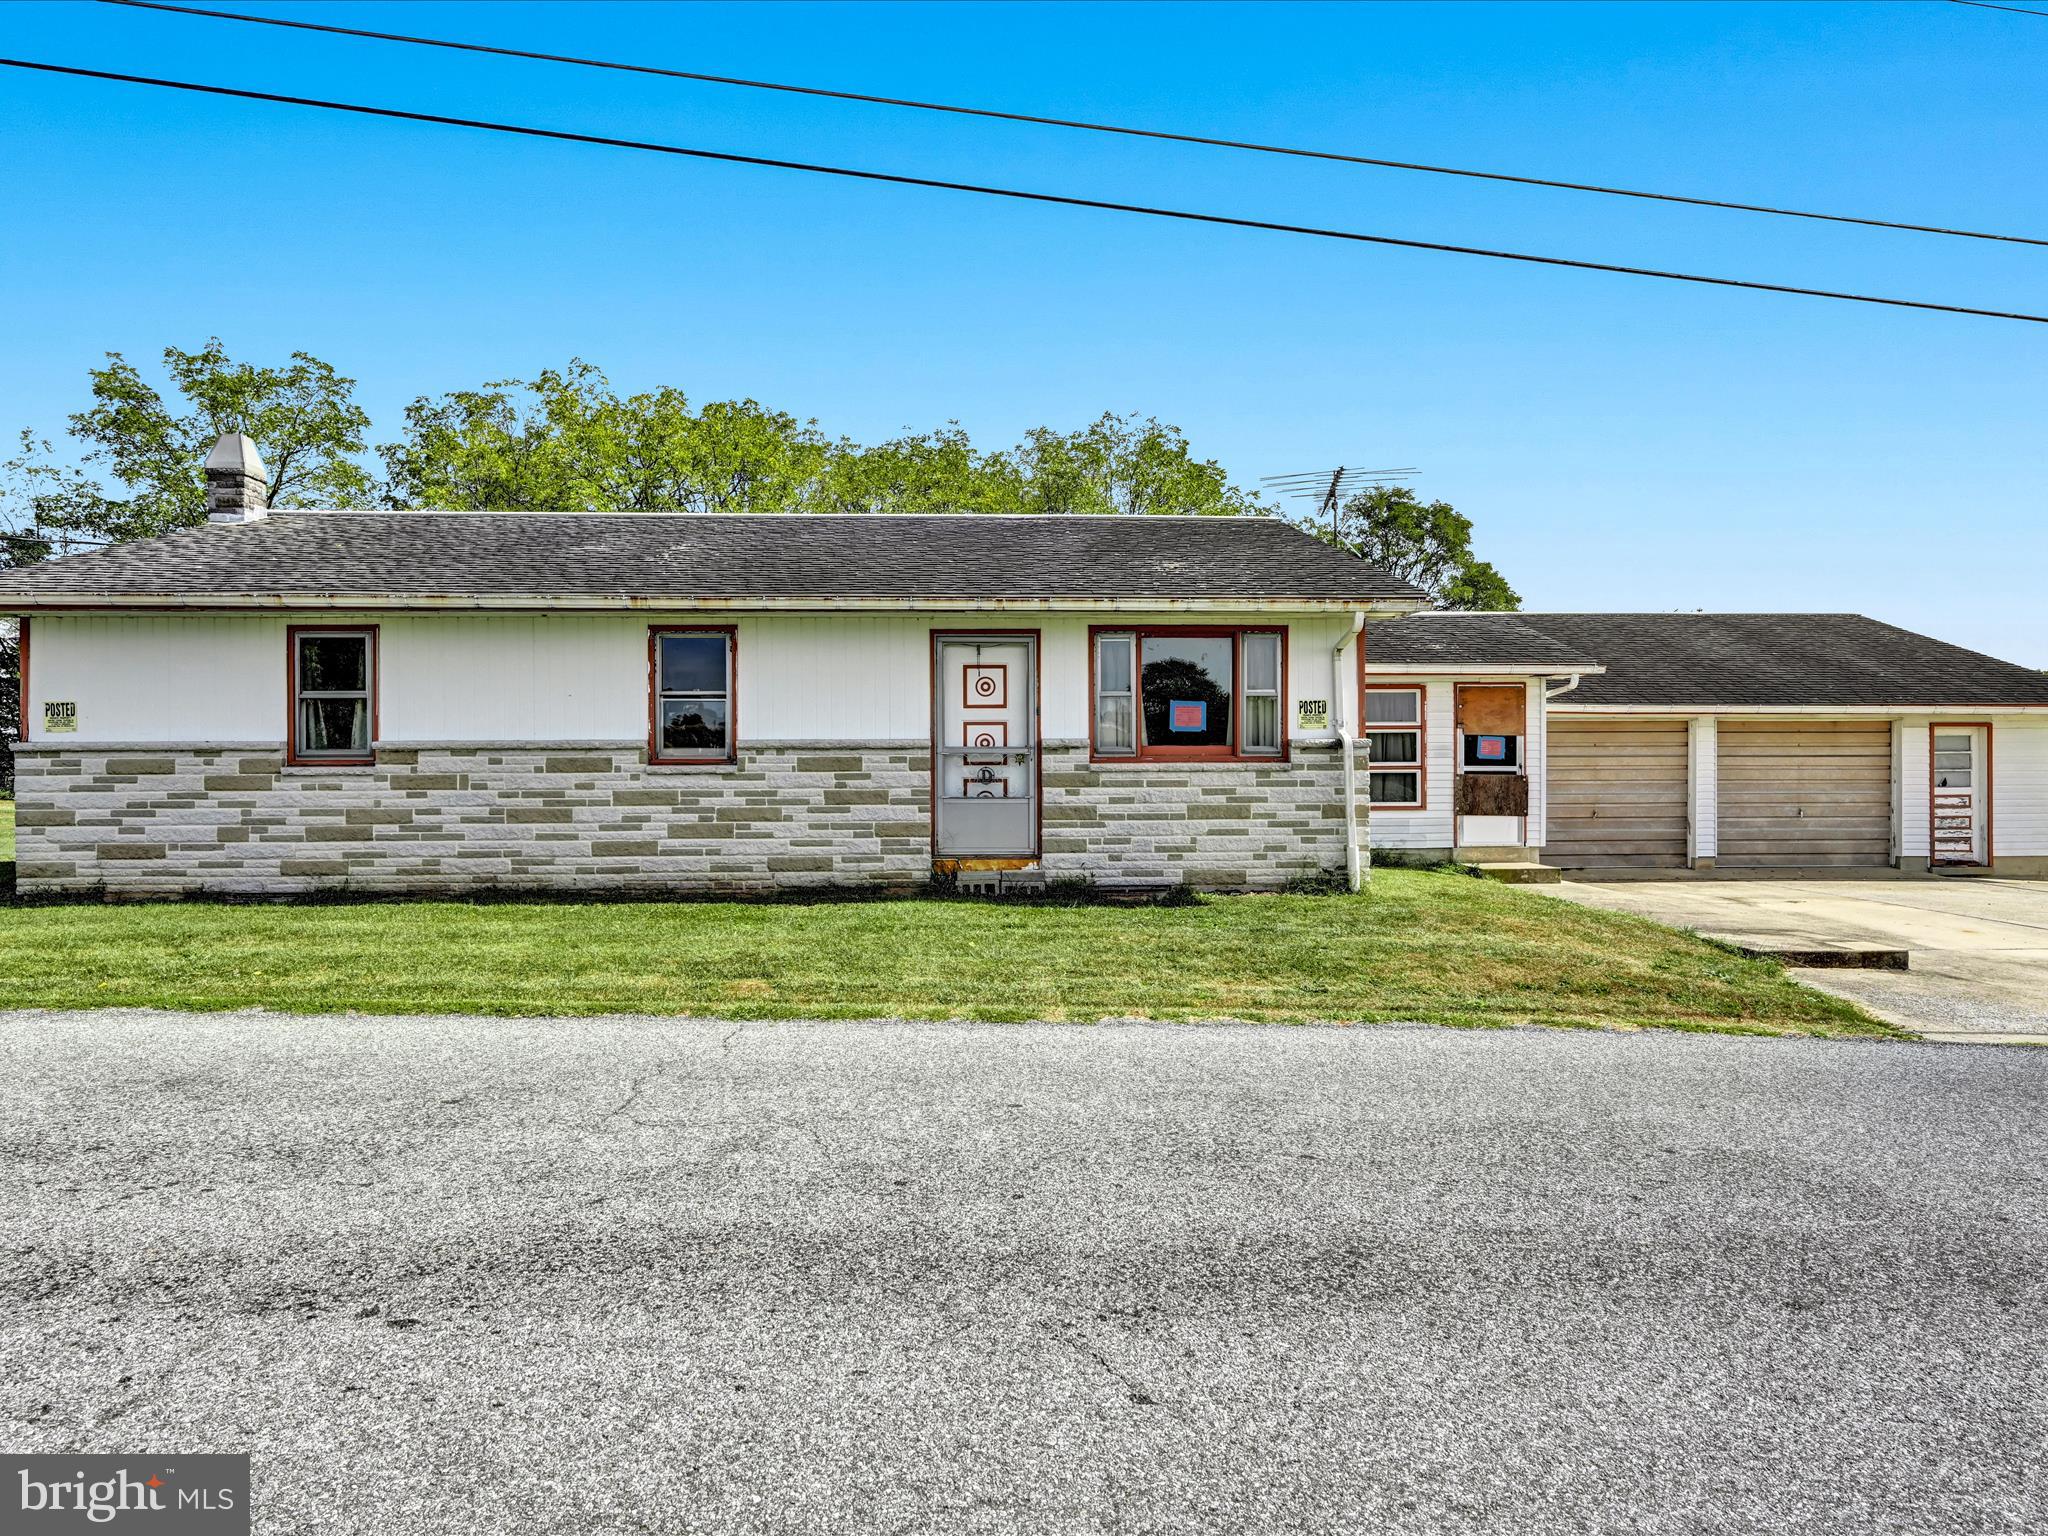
[{"x": 236, "y": 491}]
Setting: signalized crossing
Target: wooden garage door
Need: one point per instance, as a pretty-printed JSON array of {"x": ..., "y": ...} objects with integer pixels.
[
  {"x": 1809, "y": 794},
  {"x": 1617, "y": 794}
]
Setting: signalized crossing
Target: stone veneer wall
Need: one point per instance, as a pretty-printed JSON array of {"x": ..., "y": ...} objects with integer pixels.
[
  {"x": 576, "y": 817},
  {"x": 233, "y": 820},
  {"x": 1223, "y": 825}
]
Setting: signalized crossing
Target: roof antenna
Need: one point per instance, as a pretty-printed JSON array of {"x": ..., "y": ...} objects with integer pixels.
[{"x": 1329, "y": 488}]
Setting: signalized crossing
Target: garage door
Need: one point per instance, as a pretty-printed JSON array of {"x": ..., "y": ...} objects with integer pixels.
[
  {"x": 1805, "y": 795},
  {"x": 1617, "y": 794}
]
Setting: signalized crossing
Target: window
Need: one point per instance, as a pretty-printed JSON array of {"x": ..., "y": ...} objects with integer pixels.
[
  {"x": 334, "y": 695},
  {"x": 1952, "y": 760},
  {"x": 1393, "y": 739},
  {"x": 1262, "y": 694},
  {"x": 1482, "y": 753},
  {"x": 1190, "y": 693},
  {"x": 692, "y": 696}
]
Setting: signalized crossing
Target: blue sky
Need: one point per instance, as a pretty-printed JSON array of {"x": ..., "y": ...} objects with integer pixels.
[{"x": 1621, "y": 443}]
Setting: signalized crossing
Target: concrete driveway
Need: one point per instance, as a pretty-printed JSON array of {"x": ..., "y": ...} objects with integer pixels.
[
  {"x": 1979, "y": 948},
  {"x": 627, "y": 1275}
]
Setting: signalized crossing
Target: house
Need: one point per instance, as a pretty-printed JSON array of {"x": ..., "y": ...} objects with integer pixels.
[
  {"x": 1719, "y": 741},
  {"x": 391, "y": 702},
  {"x": 291, "y": 702}
]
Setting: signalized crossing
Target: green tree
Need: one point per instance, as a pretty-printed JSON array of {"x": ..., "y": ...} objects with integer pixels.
[
  {"x": 1427, "y": 544},
  {"x": 1134, "y": 464},
  {"x": 940, "y": 471},
  {"x": 567, "y": 441},
  {"x": 302, "y": 416}
]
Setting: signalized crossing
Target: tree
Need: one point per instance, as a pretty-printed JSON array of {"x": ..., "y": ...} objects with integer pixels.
[
  {"x": 302, "y": 416},
  {"x": 1128, "y": 464},
  {"x": 939, "y": 471},
  {"x": 1428, "y": 545},
  {"x": 566, "y": 441}
]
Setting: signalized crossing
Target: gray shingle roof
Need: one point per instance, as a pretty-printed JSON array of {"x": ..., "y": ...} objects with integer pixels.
[
  {"x": 1464, "y": 639},
  {"x": 569, "y": 555},
  {"x": 1737, "y": 659}
]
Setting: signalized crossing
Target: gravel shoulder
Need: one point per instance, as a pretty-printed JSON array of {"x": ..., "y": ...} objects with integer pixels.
[{"x": 620, "y": 1274}]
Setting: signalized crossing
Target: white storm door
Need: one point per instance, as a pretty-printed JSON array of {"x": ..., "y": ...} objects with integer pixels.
[
  {"x": 1961, "y": 805},
  {"x": 985, "y": 745}
]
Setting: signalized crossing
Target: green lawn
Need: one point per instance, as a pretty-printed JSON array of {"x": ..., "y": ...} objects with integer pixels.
[
  {"x": 1429, "y": 947},
  {"x": 6, "y": 831}
]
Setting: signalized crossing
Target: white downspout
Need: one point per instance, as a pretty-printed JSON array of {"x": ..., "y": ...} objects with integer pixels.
[
  {"x": 1558, "y": 693},
  {"x": 1354, "y": 872}
]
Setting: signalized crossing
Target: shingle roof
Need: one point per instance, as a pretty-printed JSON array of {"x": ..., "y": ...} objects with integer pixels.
[
  {"x": 1466, "y": 639},
  {"x": 1748, "y": 659},
  {"x": 685, "y": 557}
]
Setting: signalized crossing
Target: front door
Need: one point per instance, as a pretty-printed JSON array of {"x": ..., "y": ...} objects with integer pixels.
[
  {"x": 985, "y": 746},
  {"x": 1962, "y": 793}
]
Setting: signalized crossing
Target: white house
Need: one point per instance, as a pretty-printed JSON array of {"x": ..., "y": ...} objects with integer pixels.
[
  {"x": 388, "y": 702},
  {"x": 303, "y": 701}
]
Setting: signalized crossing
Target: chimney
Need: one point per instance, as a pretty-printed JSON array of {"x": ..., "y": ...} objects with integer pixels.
[{"x": 236, "y": 491}]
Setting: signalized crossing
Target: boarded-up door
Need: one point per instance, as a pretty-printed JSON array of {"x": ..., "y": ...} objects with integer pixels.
[
  {"x": 1617, "y": 794},
  {"x": 1805, "y": 794}
]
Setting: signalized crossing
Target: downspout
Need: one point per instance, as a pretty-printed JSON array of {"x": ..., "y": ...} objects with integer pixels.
[
  {"x": 1558, "y": 693},
  {"x": 1354, "y": 873}
]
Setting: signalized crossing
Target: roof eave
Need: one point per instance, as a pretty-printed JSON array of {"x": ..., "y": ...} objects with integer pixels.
[
  {"x": 1833, "y": 711},
  {"x": 59, "y": 602}
]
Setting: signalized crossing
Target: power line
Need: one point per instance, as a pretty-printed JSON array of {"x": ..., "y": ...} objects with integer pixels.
[
  {"x": 1020, "y": 195},
  {"x": 1064, "y": 122},
  {"x": 1986, "y": 5}
]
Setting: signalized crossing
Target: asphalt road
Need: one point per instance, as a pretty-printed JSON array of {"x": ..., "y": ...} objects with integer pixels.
[{"x": 454, "y": 1275}]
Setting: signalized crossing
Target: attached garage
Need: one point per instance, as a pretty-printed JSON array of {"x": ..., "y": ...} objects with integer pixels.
[
  {"x": 1617, "y": 794},
  {"x": 1805, "y": 794}
]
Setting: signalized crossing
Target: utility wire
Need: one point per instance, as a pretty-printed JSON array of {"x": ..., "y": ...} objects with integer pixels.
[
  {"x": 1012, "y": 192},
  {"x": 1063, "y": 122},
  {"x": 1986, "y": 5}
]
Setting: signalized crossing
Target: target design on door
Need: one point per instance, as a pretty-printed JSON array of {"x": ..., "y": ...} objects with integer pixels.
[{"x": 985, "y": 746}]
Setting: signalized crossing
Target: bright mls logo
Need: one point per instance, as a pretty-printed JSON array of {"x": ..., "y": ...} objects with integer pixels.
[{"x": 159, "y": 1495}]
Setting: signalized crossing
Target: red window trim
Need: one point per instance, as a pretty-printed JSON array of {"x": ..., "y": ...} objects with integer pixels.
[
  {"x": 291, "y": 695},
  {"x": 1990, "y": 800},
  {"x": 21, "y": 668},
  {"x": 1229, "y": 753},
  {"x": 1421, "y": 728},
  {"x": 655, "y": 755}
]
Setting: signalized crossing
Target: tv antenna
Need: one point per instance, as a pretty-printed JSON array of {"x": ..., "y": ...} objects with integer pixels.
[{"x": 1327, "y": 488}]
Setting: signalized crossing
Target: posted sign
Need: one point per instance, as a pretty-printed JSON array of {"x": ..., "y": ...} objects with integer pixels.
[
  {"x": 1312, "y": 715},
  {"x": 60, "y": 719}
]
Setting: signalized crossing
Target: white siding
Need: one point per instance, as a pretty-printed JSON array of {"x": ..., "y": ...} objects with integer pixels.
[
  {"x": 1910, "y": 793},
  {"x": 197, "y": 677},
  {"x": 1703, "y": 788},
  {"x": 1429, "y": 827},
  {"x": 447, "y": 677},
  {"x": 2019, "y": 788}
]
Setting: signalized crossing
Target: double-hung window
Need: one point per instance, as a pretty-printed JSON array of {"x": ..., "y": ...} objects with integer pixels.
[
  {"x": 1393, "y": 738},
  {"x": 334, "y": 695},
  {"x": 1189, "y": 693},
  {"x": 692, "y": 702}
]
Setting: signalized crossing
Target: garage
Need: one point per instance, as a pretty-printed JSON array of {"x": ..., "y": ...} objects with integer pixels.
[
  {"x": 1617, "y": 794},
  {"x": 1805, "y": 794}
]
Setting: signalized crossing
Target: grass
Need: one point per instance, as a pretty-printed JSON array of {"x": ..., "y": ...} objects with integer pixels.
[
  {"x": 1425, "y": 947},
  {"x": 6, "y": 831}
]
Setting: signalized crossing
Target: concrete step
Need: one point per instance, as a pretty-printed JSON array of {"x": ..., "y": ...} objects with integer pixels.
[{"x": 1518, "y": 872}]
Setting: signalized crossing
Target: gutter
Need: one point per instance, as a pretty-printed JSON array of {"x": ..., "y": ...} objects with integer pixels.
[{"x": 1354, "y": 871}]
